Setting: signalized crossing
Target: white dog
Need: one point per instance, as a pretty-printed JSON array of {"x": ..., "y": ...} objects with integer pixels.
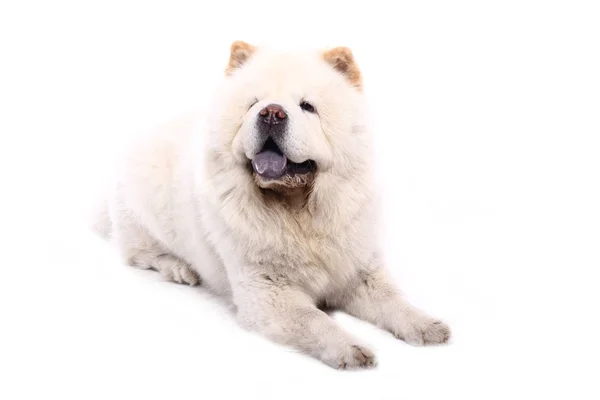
[{"x": 269, "y": 200}]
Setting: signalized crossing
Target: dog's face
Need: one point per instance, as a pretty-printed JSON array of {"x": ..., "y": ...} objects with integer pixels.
[{"x": 285, "y": 118}]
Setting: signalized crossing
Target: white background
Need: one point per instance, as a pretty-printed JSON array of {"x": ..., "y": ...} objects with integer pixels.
[{"x": 487, "y": 120}]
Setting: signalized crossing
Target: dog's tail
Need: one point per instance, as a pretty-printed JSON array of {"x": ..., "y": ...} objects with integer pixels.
[{"x": 99, "y": 219}]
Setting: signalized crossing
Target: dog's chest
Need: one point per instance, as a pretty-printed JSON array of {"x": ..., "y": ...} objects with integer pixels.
[
  {"x": 319, "y": 264},
  {"x": 320, "y": 256}
]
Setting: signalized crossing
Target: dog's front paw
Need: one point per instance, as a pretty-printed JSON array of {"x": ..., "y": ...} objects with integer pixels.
[
  {"x": 351, "y": 357},
  {"x": 424, "y": 330}
]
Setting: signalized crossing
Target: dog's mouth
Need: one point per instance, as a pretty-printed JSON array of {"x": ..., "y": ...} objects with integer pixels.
[{"x": 271, "y": 164}]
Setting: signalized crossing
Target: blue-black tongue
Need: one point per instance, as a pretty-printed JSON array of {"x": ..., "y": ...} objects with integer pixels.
[{"x": 269, "y": 164}]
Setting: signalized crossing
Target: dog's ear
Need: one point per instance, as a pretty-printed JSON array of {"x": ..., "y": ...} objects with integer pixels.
[
  {"x": 240, "y": 54},
  {"x": 342, "y": 60}
]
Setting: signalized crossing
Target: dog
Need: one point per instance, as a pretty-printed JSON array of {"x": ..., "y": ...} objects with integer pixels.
[{"x": 269, "y": 201}]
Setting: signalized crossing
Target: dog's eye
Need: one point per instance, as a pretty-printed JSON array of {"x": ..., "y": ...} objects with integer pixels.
[{"x": 306, "y": 106}]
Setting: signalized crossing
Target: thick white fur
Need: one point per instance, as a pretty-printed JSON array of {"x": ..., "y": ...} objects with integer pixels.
[{"x": 184, "y": 203}]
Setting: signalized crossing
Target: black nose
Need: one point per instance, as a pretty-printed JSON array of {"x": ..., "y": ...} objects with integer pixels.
[{"x": 273, "y": 114}]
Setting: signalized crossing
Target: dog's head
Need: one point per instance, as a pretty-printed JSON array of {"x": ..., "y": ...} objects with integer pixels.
[{"x": 286, "y": 118}]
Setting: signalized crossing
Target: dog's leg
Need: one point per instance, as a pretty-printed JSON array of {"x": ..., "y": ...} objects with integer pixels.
[
  {"x": 171, "y": 267},
  {"x": 140, "y": 250},
  {"x": 375, "y": 299},
  {"x": 289, "y": 317}
]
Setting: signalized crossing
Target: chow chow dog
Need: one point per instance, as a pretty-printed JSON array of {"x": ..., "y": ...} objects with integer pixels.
[{"x": 269, "y": 201}]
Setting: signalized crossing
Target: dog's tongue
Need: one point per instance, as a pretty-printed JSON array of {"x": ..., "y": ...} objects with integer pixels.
[{"x": 269, "y": 164}]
